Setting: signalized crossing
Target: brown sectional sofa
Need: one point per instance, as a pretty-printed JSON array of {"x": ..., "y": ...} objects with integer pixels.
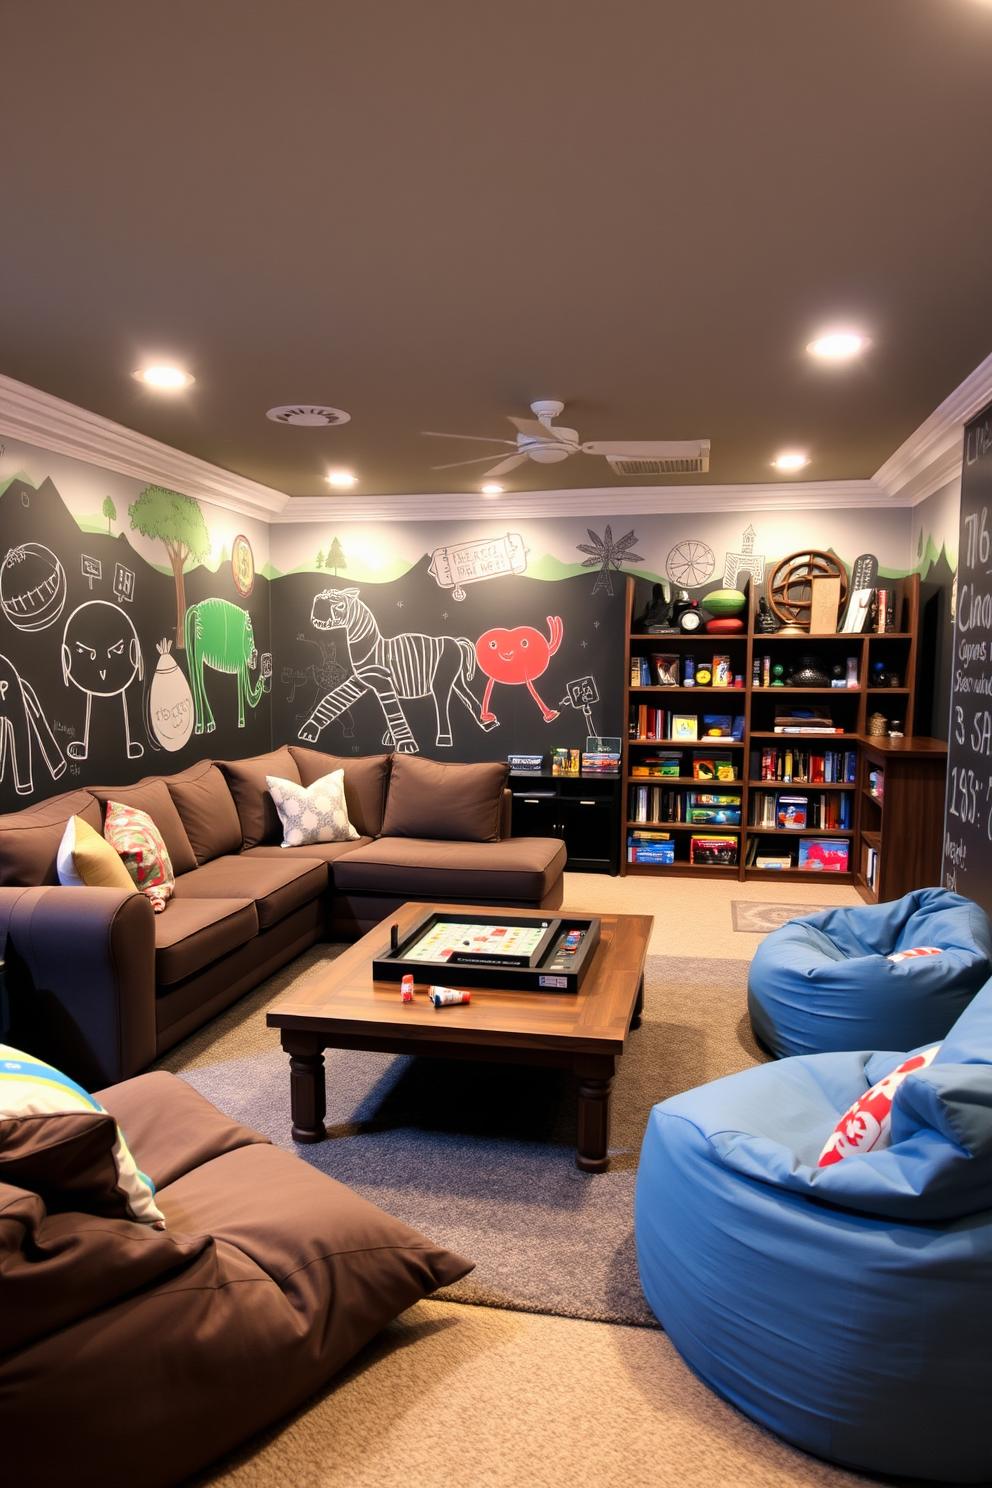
[
  {"x": 130, "y": 1355},
  {"x": 100, "y": 986}
]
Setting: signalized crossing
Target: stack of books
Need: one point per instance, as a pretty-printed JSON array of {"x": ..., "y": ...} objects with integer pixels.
[
  {"x": 605, "y": 763},
  {"x": 650, "y": 847},
  {"x": 713, "y": 851},
  {"x": 827, "y": 767},
  {"x": 805, "y": 721}
]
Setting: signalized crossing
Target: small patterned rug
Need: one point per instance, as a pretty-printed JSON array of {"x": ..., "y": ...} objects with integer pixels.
[{"x": 758, "y": 918}]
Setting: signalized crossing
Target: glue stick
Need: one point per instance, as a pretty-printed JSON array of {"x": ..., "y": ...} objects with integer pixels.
[
  {"x": 445, "y": 996},
  {"x": 406, "y": 988}
]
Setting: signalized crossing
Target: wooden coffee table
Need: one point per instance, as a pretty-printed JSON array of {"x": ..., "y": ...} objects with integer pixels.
[{"x": 343, "y": 1008}]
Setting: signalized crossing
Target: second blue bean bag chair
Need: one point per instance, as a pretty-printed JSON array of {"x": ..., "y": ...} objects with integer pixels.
[
  {"x": 848, "y": 1308},
  {"x": 825, "y": 982}
]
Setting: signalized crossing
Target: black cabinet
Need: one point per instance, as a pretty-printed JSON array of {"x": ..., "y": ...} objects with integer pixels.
[{"x": 583, "y": 810}]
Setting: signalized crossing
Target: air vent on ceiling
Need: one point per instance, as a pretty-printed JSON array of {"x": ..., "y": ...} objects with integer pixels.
[
  {"x": 659, "y": 467},
  {"x": 308, "y": 415}
]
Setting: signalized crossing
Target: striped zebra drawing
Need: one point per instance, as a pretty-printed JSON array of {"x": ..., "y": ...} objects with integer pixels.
[{"x": 401, "y": 667}]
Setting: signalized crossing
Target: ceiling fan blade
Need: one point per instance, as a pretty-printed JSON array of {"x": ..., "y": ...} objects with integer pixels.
[
  {"x": 646, "y": 449},
  {"x": 479, "y": 460},
  {"x": 534, "y": 430},
  {"x": 510, "y": 463},
  {"x": 481, "y": 438}
]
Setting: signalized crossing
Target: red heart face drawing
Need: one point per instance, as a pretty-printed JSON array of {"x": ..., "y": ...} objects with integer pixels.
[
  {"x": 513, "y": 656},
  {"x": 517, "y": 656}
]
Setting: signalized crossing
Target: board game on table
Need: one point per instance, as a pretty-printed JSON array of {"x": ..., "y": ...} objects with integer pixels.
[{"x": 516, "y": 952}]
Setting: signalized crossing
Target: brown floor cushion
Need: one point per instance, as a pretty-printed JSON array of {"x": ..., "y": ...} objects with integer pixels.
[
  {"x": 277, "y": 886},
  {"x": 169, "y": 1127},
  {"x": 516, "y": 868},
  {"x": 193, "y": 932}
]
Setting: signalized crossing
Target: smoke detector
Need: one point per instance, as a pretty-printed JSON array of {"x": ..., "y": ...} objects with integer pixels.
[{"x": 308, "y": 415}]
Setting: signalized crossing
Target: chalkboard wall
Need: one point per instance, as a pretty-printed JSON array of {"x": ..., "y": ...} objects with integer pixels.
[{"x": 968, "y": 812}]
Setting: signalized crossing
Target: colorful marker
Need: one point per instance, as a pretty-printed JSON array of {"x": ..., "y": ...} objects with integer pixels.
[
  {"x": 446, "y": 996},
  {"x": 406, "y": 988}
]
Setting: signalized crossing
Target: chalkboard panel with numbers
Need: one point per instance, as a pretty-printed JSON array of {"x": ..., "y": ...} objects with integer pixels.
[{"x": 968, "y": 810}]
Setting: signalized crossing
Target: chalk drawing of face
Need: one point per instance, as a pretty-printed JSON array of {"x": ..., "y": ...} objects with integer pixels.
[
  {"x": 101, "y": 656},
  {"x": 100, "y": 650}
]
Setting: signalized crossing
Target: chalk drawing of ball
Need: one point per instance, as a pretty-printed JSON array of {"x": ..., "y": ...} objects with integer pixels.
[{"x": 32, "y": 586}]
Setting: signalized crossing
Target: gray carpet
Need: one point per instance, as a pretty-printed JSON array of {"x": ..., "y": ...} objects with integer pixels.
[{"x": 437, "y": 1142}]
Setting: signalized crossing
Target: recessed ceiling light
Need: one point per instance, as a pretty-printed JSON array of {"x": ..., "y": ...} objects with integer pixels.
[
  {"x": 342, "y": 478},
  {"x": 838, "y": 345},
  {"x": 492, "y": 490},
  {"x": 168, "y": 378},
  {"x": 790, "y": 460}
]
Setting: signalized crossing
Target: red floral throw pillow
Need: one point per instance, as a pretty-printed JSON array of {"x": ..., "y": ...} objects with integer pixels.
[
  {"x": 868, "y": 1123},
  {"x": 137, "y": 839}
]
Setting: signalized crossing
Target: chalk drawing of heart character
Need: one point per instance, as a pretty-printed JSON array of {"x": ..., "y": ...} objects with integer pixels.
[{"x": 516, "y": 657}]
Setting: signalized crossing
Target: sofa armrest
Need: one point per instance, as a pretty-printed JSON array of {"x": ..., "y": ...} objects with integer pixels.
[
  {"x": 80, "y": 975},
  {"x": 505, "y": 828}
]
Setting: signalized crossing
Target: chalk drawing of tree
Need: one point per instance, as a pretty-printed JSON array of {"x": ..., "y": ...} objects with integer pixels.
[
  {"x": 177, "y": 521},
  {"x": 320, "y": 559},
  {"x": 109, "y": 511},
  {"x": 336, "y": 558}
]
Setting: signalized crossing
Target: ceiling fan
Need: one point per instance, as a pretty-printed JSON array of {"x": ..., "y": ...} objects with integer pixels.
[{"x": 540, "y": 440}]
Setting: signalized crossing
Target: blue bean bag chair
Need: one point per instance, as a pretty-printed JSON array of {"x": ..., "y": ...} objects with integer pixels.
[
  {"x": 824, "y": 983},
  {"x": 847, "y": 1308}
]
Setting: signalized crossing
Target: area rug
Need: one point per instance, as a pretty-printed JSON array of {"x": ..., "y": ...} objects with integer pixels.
[
  {"x": 481, "y": 1157},
  {"x": 752, "y": 915}
]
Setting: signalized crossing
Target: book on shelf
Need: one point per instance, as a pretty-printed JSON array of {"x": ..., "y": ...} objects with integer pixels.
[
  {"x": 650, "y": 847},
  {"x": 791, "y": 814},
  {"x": 794, "y": 764},
  {"x": 871, "y": 869},
  {"x": 823, "y": 855},
  {"x": 711, "y": 850},
  {"x": 713, "y": 767}
]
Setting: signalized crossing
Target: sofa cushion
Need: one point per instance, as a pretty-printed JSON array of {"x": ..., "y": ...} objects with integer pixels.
[
  {"x": 315, "y": 813},
  {"x": 29, "y": 839},
  {"x": 137, "y": 839},
  {"x": 87, "y": 860},
  {"x": 171, "y": 1128},
  {"x": 56, "y": 1136},
  {"x": 259, "y": 818},
  {"x": 194, "y": 932},
  {"x": 455, "y": 803},
  {"x": 276, "y": 886},
  {"x": 317, "y": 852},
  {"x": 365, "y": 783},
  {"x": 516, "y": 868},
  {"x": 57, "y": 1268},
  {"x": 152, "y": 796},
  {"x": 207, "y": 810}
]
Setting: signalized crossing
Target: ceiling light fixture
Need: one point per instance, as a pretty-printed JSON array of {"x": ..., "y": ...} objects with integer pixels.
[
  {"x": 165, "y": 378},
  {"x": 790, "y": 460},
  {"x": 492, "y": 490},
  {"x": 838, "y": 345},
  {"x": 342, "y": 478}
]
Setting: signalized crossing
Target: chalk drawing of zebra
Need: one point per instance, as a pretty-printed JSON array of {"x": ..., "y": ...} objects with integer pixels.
[{"x": 399, "y": 667}]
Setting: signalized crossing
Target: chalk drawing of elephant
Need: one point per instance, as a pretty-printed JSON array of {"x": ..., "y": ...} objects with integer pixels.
[{"x": 219, "y": 636}]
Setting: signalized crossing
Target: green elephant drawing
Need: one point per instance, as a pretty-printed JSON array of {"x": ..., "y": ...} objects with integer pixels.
[{"x": 219, "y": 635}]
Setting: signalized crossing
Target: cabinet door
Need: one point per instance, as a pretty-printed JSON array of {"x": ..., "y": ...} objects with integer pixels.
[
  {"x": 590, "y": 832},
  {"x": 537, "y": 816}
]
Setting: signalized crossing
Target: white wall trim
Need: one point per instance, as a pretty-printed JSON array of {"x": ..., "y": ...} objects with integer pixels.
[
  {"x": 600, "y": 501},
  {"x": 41, "y": 419},
  {"x": 932, "y": 455}
]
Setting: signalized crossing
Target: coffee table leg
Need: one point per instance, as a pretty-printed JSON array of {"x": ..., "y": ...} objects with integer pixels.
[
  {"x": 635, "y": 1021},
  {"x": 595, "y": 1085},
  {"x": 307, "y": 1095}
]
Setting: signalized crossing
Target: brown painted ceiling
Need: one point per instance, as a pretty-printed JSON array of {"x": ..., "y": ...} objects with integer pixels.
[{"x": 431, "y": 213}]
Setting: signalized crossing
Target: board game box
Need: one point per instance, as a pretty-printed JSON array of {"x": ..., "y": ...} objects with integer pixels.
[{"x": 511, "y": 952}]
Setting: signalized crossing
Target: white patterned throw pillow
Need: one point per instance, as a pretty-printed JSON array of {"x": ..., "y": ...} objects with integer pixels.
[{"x": 314, "y": 813}]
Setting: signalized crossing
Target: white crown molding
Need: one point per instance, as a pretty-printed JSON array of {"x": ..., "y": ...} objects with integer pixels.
[
  {"x": 41, "y": 419},
  {"x": 932, "y": 455},
  {"x": 600, "y": 501}
]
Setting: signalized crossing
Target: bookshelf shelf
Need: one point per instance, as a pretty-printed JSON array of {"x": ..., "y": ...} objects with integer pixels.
[{"x": 848, "y": 707}]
